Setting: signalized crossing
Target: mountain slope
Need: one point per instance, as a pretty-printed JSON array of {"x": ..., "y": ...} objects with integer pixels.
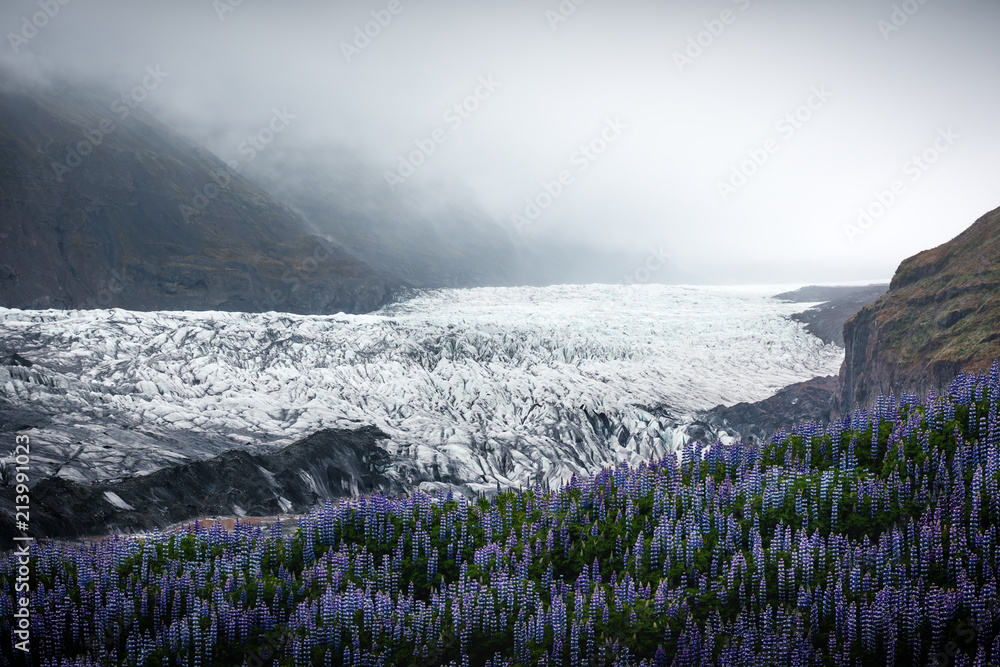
[
  {"x": 869, "y": 542},
  {"x": 826, "y": 320},
  {"x": 331, "y": 463},
  {"x": 941, "y": 316},
  {"x": 104, "y": 206},
  {"x": 427, "y": 238}
]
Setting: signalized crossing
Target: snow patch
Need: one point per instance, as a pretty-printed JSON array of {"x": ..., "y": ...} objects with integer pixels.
[{"x": 117, "y": 501}]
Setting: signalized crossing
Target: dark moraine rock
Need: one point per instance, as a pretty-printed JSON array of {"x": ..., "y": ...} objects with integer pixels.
[
  {"x": 15, "y": 359},
  {"x": 328, "y": 464},
  {"x": 816, "y": 400}
]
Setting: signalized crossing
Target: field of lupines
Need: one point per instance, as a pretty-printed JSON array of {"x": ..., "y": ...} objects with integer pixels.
[{"x": 871, "y": 541}]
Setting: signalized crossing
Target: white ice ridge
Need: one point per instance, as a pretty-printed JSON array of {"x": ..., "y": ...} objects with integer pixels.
[{"x": 474, "y": 386}]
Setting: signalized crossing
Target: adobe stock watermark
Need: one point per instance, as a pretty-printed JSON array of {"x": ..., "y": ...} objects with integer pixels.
[
  {"x": 899, "y": 17},
  {"x": 271, "y": 650},
  {"x": 562, "y": 12},
  {"x": 30, "y": 26},
  {"x": 106, "y": 293},
  {"x": 122, "y": 107},
  {"x": 249, "y": 149},
  {"x": 714, "y": 29},
  {"x": 292, "y": 279},
  {"x": 454, "y": 118},
  {"x": 22, "y": 507},
  {"x": 223, "y": 7},
  {"x": 786, "y": 127},
  {"x": 912, "y": 170},
  {"x": 585, "y": 155},
  {"x": 656, "y": 260},
  {"x": 364, "y": 34},
  {"x": 964, "y": 631}
]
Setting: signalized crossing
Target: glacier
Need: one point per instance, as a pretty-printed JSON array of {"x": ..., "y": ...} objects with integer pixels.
[{"x": 475, "y": 387}]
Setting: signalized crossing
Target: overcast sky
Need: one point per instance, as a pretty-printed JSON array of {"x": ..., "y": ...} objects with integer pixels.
[{"x": 742, "y": 135}]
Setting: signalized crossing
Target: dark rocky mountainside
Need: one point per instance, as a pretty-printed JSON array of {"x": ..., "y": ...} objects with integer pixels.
[
  {"x": 826, "y": 321},
  {"x": 827, "y": 293},
  {"x": 104, "y": 206},
  {"x": 940, "y": 317},
  {"x": 816, "y": 400},
  {"x": 331, "y": 463}
]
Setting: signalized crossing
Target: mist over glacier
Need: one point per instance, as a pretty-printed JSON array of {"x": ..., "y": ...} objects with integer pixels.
[{"x": 475, "y": 387}]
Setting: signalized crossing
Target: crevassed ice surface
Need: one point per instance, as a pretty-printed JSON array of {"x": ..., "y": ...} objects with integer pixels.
[{"x": 474, "y": 386}]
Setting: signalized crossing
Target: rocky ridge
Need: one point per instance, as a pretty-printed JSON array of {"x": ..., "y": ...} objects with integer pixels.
[
  {"x": 104, "y": 206},
  {"x": 940, "y": 317},
  {"x": 331, "y": 463}
]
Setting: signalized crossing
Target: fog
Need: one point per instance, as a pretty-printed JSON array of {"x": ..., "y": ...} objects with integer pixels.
[{"x": 743, "y": 137}]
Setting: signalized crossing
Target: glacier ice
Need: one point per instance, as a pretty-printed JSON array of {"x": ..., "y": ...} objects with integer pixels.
[{"x": 474, "y": 386}]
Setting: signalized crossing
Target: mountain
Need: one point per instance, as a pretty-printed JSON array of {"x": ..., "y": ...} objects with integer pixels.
[
  {"x": 438, "y": 235},
  {"x": 433, "y": 237},
  {"x": 101, "y": 205},
  {"x": 826, "y": 320},
  {"x": 941, "y": 316}
]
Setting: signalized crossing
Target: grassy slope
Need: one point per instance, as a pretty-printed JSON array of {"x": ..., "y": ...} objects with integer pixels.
[{"x": 944, "y": 303}]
